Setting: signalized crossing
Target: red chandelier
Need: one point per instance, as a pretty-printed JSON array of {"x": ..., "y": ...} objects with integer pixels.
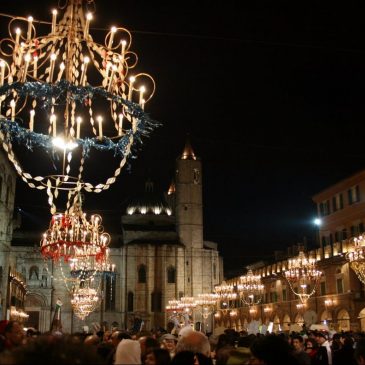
[{"x": 72, "y": 236}]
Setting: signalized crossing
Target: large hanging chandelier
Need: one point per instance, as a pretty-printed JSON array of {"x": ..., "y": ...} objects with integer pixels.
[
  {"x": 302, "y": 276},
  {"x": 356, "y": 257},
  {"x": 52, "y": 91},
  {"x": 250, "y": 288}
]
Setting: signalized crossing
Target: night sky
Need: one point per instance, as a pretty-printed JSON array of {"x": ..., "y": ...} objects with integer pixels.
[{"x": 272, "y": 96}]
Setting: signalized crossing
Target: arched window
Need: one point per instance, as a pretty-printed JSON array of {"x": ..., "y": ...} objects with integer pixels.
[
  {"x": 34, "y": 273},
  {"x": 214, "y": 271},
  {"x": 130, "y": 302},
  {"x": 156, "y": 302},
  {"x": 142, "y": 274},
  {"x": 171, "y": 275}
]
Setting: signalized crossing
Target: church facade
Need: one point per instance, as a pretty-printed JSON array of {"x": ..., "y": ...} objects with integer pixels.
[{"x": 159, "y": 254}]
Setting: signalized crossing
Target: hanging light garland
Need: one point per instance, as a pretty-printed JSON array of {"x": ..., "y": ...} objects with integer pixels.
[{"x": 52, "y": 89}]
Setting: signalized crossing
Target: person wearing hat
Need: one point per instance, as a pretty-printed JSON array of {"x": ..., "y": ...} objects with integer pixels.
[
  {"x": 324, "y": 353},
  {"x": 168, "y": 342}
]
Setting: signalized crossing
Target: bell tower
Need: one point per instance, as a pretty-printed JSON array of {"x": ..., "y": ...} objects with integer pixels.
[
  {"x": 189, "y": 202},
  {"x": 189, "y": 217}
]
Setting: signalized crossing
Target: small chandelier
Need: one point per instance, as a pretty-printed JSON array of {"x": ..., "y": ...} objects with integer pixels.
[
  {"x": 84, "y": 301},
  {"x": 250, "y": 289},
  {"x": 187, "y": 303},
  {"x": 174, "y": 306},
  {"x": 206, "y": 303},
  {"x": 356, "y": 257},
  {"x": 226, "y": 295},
  {"x": 302, "y": 276}
]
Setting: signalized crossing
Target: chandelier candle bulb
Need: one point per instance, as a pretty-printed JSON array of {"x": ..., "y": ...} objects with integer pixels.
[
  {"x": 78, "y": 121},
  {"x": 35, "y": 66},
  {"x": 31, "y": 121},
  {"x": 54, "y": 20},
  {"x": 62, "y": 68},
  {"x": 111, "y": 38},
  {"x": 29, "y": 32},
  {"x": 27, "y": 59},
  {"x": 131, "y": 81},
  {"x": 87, "y": 25},
  {"x": 142, "y": 89},
  {"x": 120, "y": 131},
  {"x": 100, "y": 121},
  {"x": 84, "y": 68},
  {"x": 122, "y": 53},
  {"x": 17, "y": 38},
  {"x": 53, "y": 59},
  {"x": 12, "y": 106}
]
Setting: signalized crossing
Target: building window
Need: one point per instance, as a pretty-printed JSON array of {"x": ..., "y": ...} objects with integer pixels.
[
  {"x": 323, "y": 288},
  {"x": 171, "y": 275},
  {"x": 156, "y": 302},
  {"x": 130, "y": 302},
  {"x": 34, "y": 273},
  {"x": 354, "y": 194},
  {"x": 142, "y": 274},
  {"x": 339, "y": 283},
  {"x": 337, "y": 202},
  {"x": 324, "y": 208},
  {"x": 181, "y": 294},
  {"x": 214, "y": 271},
  {"x": 273, "y": 297},
  {"x": 361, "y": 228},
  {"x": 110, "y": 293}
]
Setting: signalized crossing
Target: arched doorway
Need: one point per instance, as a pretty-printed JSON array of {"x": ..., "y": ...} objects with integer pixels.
[
  {"x": 326, "y": 317},
  {"x": 276, "y": 325},
  {"x": 286, "y": 323},
  {"x": 362, "y": 319},
  {"x": 299, "y": 320},
  {"x": 343, "y": 320},
  {"x": 34, "y": 306}
]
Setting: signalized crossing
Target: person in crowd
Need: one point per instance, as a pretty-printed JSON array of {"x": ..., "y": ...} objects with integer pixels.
[
  {"x": 324, "y": 353},
  {"x": 360, "y": 351},
  {"x": 157, "y": 356},
  {"x": 128, "y": 353},
  {"x": 147, "y": 343},
  {"x": 298, "y": 350},
  {"x": 168, "y": 342},
  {"x": 345, "y": 354},
  {"x": 271, "y": 350},
  {"x": 311, "y": 347},
  {"x": 13, "y": 335},
  {"x": 191, "y": 358},
  {"x": 195, "y": 342},
  {"x": 55, "y": 350}
]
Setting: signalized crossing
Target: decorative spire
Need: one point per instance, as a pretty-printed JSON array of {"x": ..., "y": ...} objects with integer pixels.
[
  {"x": 188, "y": 153},
  {"x": 172, "y": 188}
]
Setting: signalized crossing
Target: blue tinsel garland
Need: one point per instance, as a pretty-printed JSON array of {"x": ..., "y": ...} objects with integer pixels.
[{"x": 60, "y": 91}]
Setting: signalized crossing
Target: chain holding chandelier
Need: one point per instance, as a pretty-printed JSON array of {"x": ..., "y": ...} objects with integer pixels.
[
  {"x": 250, "y": 288},
  {"x": 47, "y": 100},
  {"x": 302, "y": 276},
  {"x": 356, "y": 257}
]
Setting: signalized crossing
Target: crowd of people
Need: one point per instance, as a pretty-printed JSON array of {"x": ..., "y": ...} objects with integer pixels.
[{"x": 187, "y": 347}]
